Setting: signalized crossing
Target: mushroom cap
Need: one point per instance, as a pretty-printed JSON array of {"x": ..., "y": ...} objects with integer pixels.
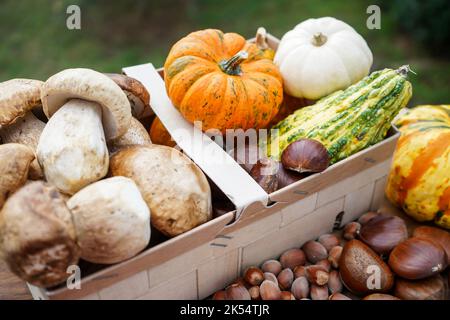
[
  {"x": 111, "y": 219},
  {"x": 17, "y": 97},
  {"x": 15, "y": 160},
  {"x": 135, "y": 135},
  {"x": 37, "y": 236},
  {"x": 174, "y": 188},
  {"x": 136, "y": 93},
  {"x": 87, "y": 84}
]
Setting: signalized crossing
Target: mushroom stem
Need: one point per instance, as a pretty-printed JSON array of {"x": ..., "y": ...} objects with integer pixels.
[
  {"x": 72, "y": 149},
  {"x": 27, "y": 131}
]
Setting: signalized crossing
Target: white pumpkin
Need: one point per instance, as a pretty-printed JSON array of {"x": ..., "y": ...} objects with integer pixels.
[{"x": 320, "y": 56}]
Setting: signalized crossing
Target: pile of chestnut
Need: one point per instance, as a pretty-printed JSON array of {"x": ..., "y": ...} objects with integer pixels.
[{"x": 371, "y": 259}]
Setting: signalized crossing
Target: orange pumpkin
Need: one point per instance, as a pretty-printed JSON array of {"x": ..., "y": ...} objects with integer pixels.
[
  {"x": 160, "y": 135},
  {"x": 223, "y": 81}
]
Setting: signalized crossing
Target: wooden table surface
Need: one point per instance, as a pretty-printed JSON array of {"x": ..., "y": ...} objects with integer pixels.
[{"x": 11, "y": 287}]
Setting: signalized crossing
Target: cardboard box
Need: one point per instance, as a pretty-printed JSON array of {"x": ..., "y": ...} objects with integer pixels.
[{"x": 205, "y": 259}]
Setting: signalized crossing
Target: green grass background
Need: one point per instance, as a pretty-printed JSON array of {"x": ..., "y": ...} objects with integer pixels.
[{"x": 35, "y": 42}]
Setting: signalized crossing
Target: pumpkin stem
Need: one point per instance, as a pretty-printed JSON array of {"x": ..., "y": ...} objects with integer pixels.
[
  {"x": 319, "y": 39},
  {"x": 403, "y": 70},
  {"x": 232, "y": 65},
  {"x": 261, "y": 38}
]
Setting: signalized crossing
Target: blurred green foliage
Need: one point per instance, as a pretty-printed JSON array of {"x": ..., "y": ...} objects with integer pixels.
[
  {"x": 427, "y": 22},
  {"x": 36, "y": 42}
]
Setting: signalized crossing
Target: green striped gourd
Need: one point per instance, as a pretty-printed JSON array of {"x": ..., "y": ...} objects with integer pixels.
[{"x": 349, "y": 120}]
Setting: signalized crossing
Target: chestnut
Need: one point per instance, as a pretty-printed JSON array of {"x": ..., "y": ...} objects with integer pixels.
[
  {"x": 432, "y": 288},
  {"x": 272, "y": 266},
  {"x": 292, "y": 258},
  {"x": 380, "y": 296},
  {"x": 382, "y": 233},
  {"x": 357, "y": 265},
  {"x": 264, "y": 172},
  {"x": 435, "y": 235},
  {"x": 417, "y": 258},
  {"x": 366, "y": 217},
  {"x": 305, "y": 155}
]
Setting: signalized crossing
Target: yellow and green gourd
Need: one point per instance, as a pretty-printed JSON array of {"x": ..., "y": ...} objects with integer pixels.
[
  {"x": 349, "y": 120},
  {"x": 419, "y": 180}
]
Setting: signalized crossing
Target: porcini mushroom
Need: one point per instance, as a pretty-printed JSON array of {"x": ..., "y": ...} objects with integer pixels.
[
  {"x": 84, "y": 107},
  {"x": 111, "y": 219},
  {"x": 15, "y": 160},
  {"x": 136, "y": 93},
  {"x": 135, "y": 135},
  {"x": 174, "y": 188},
  {"x": 18, "y": 97},
  {"x": 37, "y": 236}
]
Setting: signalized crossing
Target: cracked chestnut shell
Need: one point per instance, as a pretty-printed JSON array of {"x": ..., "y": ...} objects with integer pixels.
[
  {"x": 417, "y": 258},
  {"x": 305, "y": 155}
]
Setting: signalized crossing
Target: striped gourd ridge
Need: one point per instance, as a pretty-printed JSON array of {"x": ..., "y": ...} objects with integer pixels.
[
  {"x": 419, "y": 180},
  {"x": 349, "y": 120}
]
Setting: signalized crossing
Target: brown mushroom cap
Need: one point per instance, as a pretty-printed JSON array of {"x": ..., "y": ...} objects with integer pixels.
[
  {"x": 111, "y": 219},
  {"x": 135, "y": 135},
  {"x": 174, "y": 188},
  {"x": 17, "y": 97},
  {"x": 37, "y": 236},
  {"x": 15, "y": 160},
  {"x": 136, "y": 93},
  {"x": 90, "y": 85}
]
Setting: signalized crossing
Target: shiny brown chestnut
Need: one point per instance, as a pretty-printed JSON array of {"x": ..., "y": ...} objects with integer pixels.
[
  {"x": 264, "y": 172},
  {"x": 363, "y": 271},
  {"x": 382, "y": 233},
  {"x": 435, "y": 235},
  {"x": 305, "y": 155},
  {"x": 417, "y": 258},
  {"x": 432, "y": 288}
]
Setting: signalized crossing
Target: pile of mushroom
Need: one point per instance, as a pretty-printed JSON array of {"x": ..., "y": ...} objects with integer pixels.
[
  {"x": 18, "y": 124},
  {"x": 77, "y": 210}
]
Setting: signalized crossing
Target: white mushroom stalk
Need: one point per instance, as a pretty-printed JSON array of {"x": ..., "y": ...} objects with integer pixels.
[
  {"x": 85, "y": 109},
  {"x": 72, "y": 149}
]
